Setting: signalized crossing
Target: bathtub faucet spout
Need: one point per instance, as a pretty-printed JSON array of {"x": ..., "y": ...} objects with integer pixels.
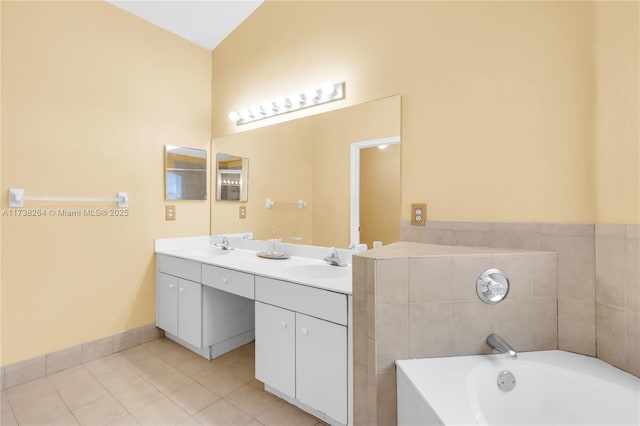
[{"x": 501, "y": 345}]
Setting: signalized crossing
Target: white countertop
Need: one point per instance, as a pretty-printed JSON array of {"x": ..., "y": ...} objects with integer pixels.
[{"x": 304, "y": 266}]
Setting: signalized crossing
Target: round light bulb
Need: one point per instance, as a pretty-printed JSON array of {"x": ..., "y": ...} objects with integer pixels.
[
  {"x": 267, "y": 107},
  {"x": 310, "y": 93},
  {"x": 234, "y": 116},
  {"x": 281, "y": 102},
  {"x": 295, "y": 99},
  {"x": 244, "y": 113},
  {"x": 327, "y": 88},
  {"x": 255, "y": 110}
]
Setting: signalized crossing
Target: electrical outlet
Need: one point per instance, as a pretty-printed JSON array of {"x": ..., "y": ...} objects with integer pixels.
[
  {"x": 418, "y": 214},
  {"x": 243, "y": 212},
  {"x": 170, "y": 212}
]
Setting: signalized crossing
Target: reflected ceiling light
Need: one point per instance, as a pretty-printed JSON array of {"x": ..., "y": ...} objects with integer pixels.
[
  {"x": 312, "y": 96},
  {"x": 383, "y": 146}
]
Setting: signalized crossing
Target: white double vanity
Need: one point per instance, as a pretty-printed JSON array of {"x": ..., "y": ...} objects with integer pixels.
[{"x": 298, "y": 309}]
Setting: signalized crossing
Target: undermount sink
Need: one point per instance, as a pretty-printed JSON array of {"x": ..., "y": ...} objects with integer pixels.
[
  {"x": 319, "y": 271},
  {"x": 206, "y": 251}
]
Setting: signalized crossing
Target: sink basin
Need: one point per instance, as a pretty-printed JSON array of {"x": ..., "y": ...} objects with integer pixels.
[
  {"x": 206, "y": 252},
  {"x": 319, "y": 271}
]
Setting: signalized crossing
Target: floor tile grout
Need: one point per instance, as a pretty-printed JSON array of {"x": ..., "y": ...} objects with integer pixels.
[{"x": 151, "y": 352}]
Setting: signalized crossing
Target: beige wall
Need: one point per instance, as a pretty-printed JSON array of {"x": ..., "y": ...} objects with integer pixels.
[
  {"x": 90, "y": 96},
  {"x": 617, "y": 132},
  {"x": 304, "y": 159},
  {"x": 379, "y": 195},
  {"x": 511, "y": 102}
]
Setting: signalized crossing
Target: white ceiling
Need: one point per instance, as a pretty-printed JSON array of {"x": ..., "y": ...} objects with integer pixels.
[{"x": 203, "y": 22}]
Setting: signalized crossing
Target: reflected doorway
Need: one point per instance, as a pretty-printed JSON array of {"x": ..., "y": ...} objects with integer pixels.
[{"x": 375, "y": 191}]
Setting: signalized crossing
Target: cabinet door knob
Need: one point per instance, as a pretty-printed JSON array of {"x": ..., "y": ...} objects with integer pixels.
[
  {"x": 181, "y": 289},
  {"x": 224, "y": 281},
  {"x": 305, "y": 331},
  {"x": 283, "y": 324},
  {"x": 171, "y": 286}
]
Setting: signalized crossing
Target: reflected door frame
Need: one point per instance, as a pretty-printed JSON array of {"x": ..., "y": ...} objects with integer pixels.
[{"x": 354, "y": 228}]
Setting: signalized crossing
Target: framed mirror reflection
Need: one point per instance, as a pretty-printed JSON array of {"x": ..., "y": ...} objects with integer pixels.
[
  {"x": 185, "y": 173},
  {"x": 232, "y": 177}
]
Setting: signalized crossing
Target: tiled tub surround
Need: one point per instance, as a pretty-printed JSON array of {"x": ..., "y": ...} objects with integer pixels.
[
  {"x": 38, "y": 367},
  {"x": 415, "y": 300},
  {"x": 598, "y": 278}
]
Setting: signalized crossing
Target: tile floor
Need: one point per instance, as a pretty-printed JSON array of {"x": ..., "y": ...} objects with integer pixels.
[{"x": 157, "y": 383}]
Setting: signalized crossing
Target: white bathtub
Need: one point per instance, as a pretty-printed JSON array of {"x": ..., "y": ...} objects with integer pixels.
[{"x": 552, "y": 388}]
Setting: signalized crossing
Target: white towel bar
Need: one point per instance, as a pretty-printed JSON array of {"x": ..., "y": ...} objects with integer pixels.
[{"x": 17, "y": 198}]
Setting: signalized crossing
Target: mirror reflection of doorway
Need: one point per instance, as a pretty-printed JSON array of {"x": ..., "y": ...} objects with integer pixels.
[
  {"x": 375, "y": 191},
  {"x": 380, "y": 195}
]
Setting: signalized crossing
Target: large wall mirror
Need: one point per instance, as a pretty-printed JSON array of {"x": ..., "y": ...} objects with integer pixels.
[
  {"x": 308, "y": 160},
  {"x": 232, "y": 177},
  {"x": 185, "y": 173}
]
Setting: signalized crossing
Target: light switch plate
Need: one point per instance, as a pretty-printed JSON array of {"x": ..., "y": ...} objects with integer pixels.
[
  {"x": 243, "y": 212},
  {"x": 170, "y": 212},
  {"x": 418, "y": 214}
]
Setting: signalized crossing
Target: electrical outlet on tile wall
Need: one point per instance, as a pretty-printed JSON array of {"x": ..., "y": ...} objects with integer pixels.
[{"x": 418, "y": 214}]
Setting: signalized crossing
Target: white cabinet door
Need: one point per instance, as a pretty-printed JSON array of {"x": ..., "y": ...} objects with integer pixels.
[
  {"x": 321, "y": 366},
  {"x": 167, "y": 303},
  {"x": 190, "y": 312},
  {"x": 275, "y": 348}
]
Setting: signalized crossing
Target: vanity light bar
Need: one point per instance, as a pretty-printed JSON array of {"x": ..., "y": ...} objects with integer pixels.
[{"x": 311, "y": 96}]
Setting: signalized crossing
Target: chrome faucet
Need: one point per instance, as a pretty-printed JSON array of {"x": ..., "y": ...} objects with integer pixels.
[
  {"x": 501, "y": 345},
  {"x": 334, "y": 259},
  {"x": 224, "y": 244}
]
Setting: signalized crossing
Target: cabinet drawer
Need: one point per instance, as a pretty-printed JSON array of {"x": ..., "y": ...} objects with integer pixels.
[
  {"x": 228, "y": 280},
  {"x": 312, "y": 301},
  {"x": 177, "y": 267}
]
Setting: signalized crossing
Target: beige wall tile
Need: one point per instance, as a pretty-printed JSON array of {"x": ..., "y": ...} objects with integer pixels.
[
  {"x": 610, "y": 230},
  {"x": 126, "y": 340},
  {"x": 24, "y": 371},
  {"x": 408, "y": 232},
  {"x": 371, "y": 316},
  {"x": 471, "y": 326},
  {"x": 432, "y": 235},
  {"x": 372, "y": 402},
  {"x": 391, "y": 334},
  {"x": 97, "y": 349},
  {"x": 430, "y": 329},
  {"x": 576, "y": 264},
  {"x": 474, "y": 238},
  {"x": 518, "y": 268},
  {"x": 472, "y": 226},
  {"x": 611, "y": 259},
  {"x": 61, "y": 360},
  {"x": 430, "y": 279},
  {"x": 586, "y": 229},
  {"x": 633, "y": 342},
  {"x": 372, "y": 356},
  {"x": 544, "y": 323},
  {"x": 392, "y": 281},
  {"x": 576, "y": 326},
  {"x": 387, "y": 399},
  {"x": 544, "y": 275},
  {"x": 511, "y": 319},
  {"x": 633, "y": 232},
  {"x": 611, "y": 336},
  {"x": 515, "y": 239},
  {"x": 633, "y": 274},
  {"x": 359, "y": 393},
  {"x": 150, "y": 332},
  {"x": 465, "y": 272}
]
